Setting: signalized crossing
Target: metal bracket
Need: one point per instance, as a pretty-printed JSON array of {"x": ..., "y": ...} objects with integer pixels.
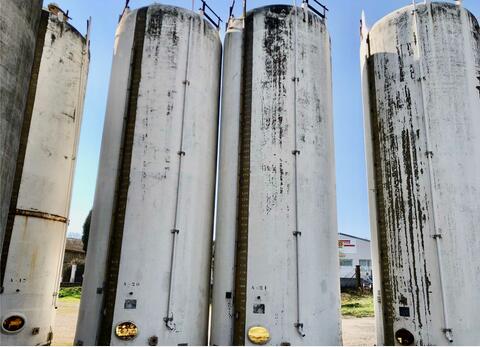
[
  {"x": 175, "y": 231},
  {"x": 297, "y": 233},
  {"x": 181, "y": 153},
  {"x": 437, "y": 236},
  {"x": 296, "y": 152},
  {"x": 429, "y": 154},
  {"x": 295, "y": 79},
  {"x": 186, "y": 82}
]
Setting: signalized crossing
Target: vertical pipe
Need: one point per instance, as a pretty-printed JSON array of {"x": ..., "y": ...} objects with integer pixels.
[
  {"x": 297, "y": 233},
  {"x": 437, "y": 232},
  {"x": 175, "y": 231}
]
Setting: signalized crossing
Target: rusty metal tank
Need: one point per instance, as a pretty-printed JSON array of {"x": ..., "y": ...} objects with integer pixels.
[
  {"x": 39, "y": 208},
  {"x": 421, "y": 84},
  {"x": 19, "y": 22},
  {"x": 147, "y": 276},
  {"x": 276, "y": 254}
]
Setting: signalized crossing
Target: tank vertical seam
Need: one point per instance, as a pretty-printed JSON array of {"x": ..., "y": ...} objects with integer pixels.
[
  {"x": 30, "y": 102},
  {"x": 243, "y": 205}
]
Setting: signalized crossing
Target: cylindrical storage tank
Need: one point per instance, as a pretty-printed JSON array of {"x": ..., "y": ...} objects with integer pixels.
[
  {"x": 147, "y": 272},
  {"x": 19, "y": 22},
  {"x": 284, "y": 288},
  {"x": 39, "y": 209},
  {"x": 421, "y": 71},
  {"x": 224, "y": 264}
]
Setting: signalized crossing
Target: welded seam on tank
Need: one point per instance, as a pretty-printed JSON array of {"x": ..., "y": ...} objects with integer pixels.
[
  {"x": 123, "y": 181},
  {"x": 27, "y": 118},
  {"x": 437, "y": 236},
  {"x": 169, "y": 319},
  {"x": 296, "y": 152},
  {"x": 243, "y": 198},
  {"x": 41, "y": 215}
]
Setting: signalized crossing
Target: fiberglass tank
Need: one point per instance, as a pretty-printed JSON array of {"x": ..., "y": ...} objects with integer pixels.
[
  {"x": 147, "y": 272},
  {"x": 19, "y": 22},
  {"x": 421, "y": 78},
  {"x": 36, "y": 228},
  {"x": 276, "y": 255}
]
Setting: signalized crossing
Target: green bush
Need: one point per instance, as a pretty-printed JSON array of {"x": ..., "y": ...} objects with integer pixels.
[{"x": 70, "y": 292}]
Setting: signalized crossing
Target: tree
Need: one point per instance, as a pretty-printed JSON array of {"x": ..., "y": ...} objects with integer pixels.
[{"x": 86, "y": 230}]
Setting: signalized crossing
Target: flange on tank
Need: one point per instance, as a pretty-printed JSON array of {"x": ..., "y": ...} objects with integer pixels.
[
  {"x": 19, "y": 22},
  {"x": 39, "y": 208},
  {"x": 421, "y": 73},
  {"x": 276, "y": 262},
  {"x": 147, "y": 274}
]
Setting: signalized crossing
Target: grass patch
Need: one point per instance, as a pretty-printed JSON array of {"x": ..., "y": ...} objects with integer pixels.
[
  {"x": 357, "y": 304},
  {"x": 70, "y": 293}
]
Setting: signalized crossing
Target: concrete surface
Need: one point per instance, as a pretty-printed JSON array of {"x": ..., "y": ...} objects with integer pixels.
[{"x": 356, "y": 331}]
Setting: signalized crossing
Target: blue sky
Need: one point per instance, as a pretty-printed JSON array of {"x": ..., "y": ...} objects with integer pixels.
[{"x": 343, "y": 23}]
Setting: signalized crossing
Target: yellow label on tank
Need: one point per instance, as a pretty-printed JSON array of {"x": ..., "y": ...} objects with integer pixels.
[{"x": 258, "y": 335}]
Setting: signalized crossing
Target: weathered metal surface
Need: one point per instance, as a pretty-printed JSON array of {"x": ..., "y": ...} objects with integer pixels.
[
  {"x": 40, "y": 211},
  {"x": 19, "y": 22},
  {"x": 224, "y": 265},
  {"x": 286, "y": 269},
  {"x": 156, "y": 179},
  {"x": 421, "y": 70}
]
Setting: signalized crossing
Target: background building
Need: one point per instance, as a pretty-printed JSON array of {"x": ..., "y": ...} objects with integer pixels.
[
  {"x": 73, "y": 262},
  {"x": 354, "y": 251}
]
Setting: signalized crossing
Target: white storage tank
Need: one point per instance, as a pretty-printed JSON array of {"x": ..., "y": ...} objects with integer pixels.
[
  {"x": 39, "y": 207},
  {"x": 147, "y": 277},
  {"x": 421, "y": 80},
  {"x": 276, "y": 263},
  {"x": 19, "y": 22}
]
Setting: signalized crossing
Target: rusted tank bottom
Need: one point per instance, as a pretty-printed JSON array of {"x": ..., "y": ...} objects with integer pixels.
[{"x": 41, "y": 215}]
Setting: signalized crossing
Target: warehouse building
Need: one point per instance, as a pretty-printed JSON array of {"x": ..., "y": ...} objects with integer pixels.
[{"x": 354, "y": 251}]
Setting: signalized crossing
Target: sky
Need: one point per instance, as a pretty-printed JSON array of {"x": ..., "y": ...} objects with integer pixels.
[{"x": 343, "y": 23}]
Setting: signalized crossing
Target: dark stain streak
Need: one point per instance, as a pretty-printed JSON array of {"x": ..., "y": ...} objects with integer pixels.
[{"x": 275, "y": 40}]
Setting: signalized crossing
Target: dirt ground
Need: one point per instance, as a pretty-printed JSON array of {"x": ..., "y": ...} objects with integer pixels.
[
  {"x": 65, "y": 322},
  {"x": 356, "y": 331}
]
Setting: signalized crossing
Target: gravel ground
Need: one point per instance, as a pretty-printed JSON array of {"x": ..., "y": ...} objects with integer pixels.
[{"x": 356, "y": 331}]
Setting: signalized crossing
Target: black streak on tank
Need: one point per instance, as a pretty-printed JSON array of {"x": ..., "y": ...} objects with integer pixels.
[{"x": 276, "y": 46}]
